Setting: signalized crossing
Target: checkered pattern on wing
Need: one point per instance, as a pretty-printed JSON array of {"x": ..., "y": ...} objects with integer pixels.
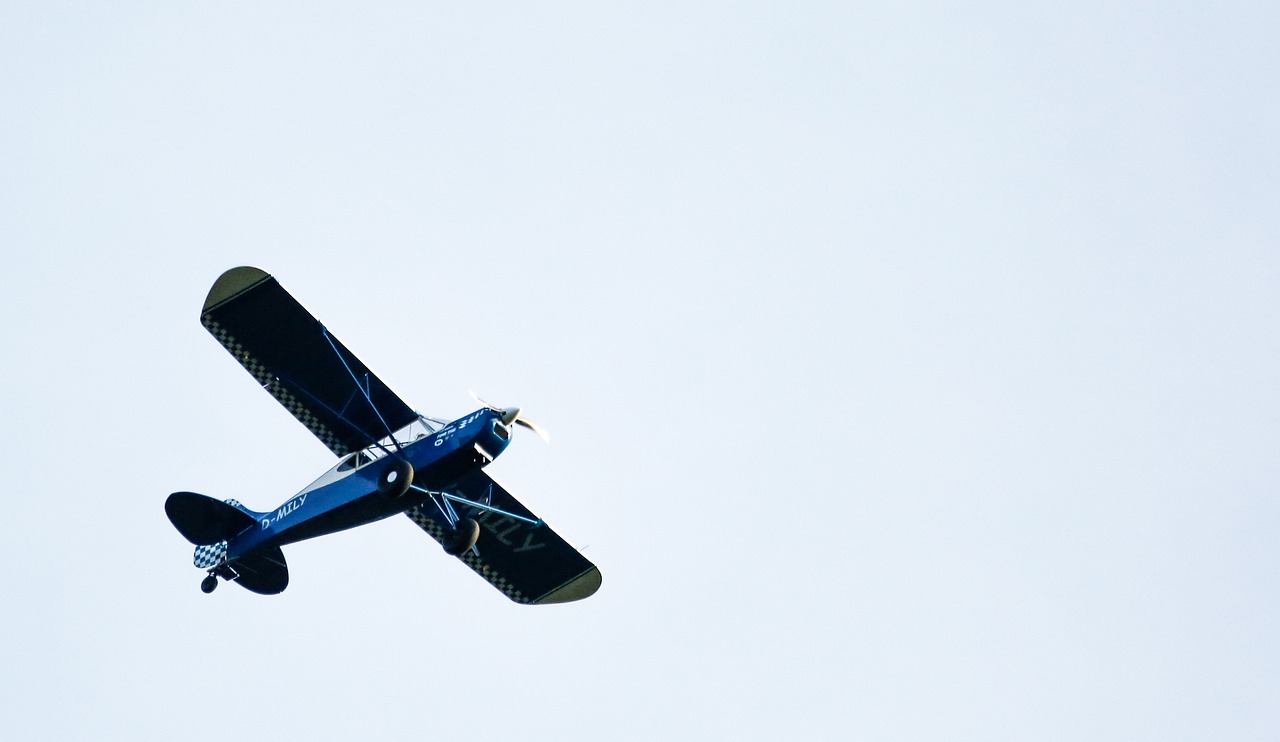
[
  {"x": 273, "y": 386},
  {"x": 477, "y": 564},
  {"x": 211, "y": 555}
]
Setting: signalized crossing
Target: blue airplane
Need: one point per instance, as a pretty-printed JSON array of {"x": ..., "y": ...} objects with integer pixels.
[{"x": 392, "y": 460}]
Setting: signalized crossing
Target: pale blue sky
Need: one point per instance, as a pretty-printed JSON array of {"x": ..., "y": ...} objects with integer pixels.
[{"x": 911, "y": 367}]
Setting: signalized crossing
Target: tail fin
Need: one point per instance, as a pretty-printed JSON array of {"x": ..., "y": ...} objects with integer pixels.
[
  {"x": 203, "y": 520},
  {"x": 209, "y": 524}
]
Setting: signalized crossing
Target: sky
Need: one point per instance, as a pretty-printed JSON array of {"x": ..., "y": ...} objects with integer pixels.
[{"x": 910, "y": 367}]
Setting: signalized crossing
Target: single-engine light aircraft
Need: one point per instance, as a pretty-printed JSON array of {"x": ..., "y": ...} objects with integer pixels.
[{"x": 392, "y": 460}]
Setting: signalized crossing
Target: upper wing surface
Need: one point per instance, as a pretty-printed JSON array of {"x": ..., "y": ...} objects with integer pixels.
[
  {"x": 303, "y": 366},
  {"x": 528, "y": 563}
]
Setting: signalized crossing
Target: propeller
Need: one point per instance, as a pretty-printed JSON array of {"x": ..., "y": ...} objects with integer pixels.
[{"x": 511, "y": 415}]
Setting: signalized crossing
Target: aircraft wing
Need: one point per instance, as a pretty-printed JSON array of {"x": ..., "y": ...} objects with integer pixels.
[
  {"x": 299, "y": 363},
  {"x": 529, "y": 564}
]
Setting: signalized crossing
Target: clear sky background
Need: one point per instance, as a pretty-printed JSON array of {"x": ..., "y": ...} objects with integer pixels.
[{"x": 911, "y": 367}]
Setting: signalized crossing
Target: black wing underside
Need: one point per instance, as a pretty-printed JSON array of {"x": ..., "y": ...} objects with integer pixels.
[
  {"x": 299, "y": 363},
  {"x": 528, "y": 563}
]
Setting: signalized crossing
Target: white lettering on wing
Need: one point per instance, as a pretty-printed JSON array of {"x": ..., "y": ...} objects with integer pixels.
[{"x": 506, "y": 531}]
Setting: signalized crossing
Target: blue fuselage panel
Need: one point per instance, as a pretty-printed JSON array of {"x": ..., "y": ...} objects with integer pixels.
[{"x": 439, "y": 460}]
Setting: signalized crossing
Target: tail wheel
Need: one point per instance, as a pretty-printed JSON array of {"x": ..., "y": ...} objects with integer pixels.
[
  {"x": 395, "y": 479},
  {"x": 209, "y": 584},
  {"x": 463, "y": 536}
]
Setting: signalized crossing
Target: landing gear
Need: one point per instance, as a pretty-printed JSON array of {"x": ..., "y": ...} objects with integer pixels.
[
  {"x": 209, "y": 584},
  {"x": 460, "y": 534},
  {"x": 463, "y": 536},
  {"x": 394, "y": 480}
]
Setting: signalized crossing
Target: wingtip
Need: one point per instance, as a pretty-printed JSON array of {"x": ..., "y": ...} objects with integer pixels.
[
  {"x": 583, "y": 586},
  {"x": 231, "y": 284}
]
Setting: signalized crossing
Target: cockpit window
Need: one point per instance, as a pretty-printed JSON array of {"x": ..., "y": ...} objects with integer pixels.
[{"x": 359, "y": 458}]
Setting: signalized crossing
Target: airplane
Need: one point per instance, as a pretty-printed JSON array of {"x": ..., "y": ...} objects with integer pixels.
[{"x": 392, "y": 461}]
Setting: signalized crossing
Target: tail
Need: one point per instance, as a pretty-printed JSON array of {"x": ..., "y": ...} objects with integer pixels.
[
  {"x": 203, "y": 520},
  {"x": 210, "y": 524}
]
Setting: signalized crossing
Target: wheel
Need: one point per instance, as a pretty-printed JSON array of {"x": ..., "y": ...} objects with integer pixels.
[
  {"x": 395, "y": 479},
  {"x": 462, "y": 537},
  {"x": 209, "y": 584}
]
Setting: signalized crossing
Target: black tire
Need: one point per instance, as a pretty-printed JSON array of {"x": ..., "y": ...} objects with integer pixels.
[
  {"x": 395, "y": 479},
  {"x": 209, "y": 584},
  {"x": 463, "y": 536}
]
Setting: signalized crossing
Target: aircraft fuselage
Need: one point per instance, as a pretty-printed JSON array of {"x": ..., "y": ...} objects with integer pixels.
[{"x": 347, "y": 495}]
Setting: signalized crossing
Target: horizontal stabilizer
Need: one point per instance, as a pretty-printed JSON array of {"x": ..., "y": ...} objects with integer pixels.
[
  {"x": 264, "y": 573},
  {"x": 203, "y": 520}
]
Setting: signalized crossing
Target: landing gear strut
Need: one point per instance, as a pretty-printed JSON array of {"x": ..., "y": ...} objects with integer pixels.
[
  {"x": 462, "y": 533},
  {"x": 209, "y": 584}
]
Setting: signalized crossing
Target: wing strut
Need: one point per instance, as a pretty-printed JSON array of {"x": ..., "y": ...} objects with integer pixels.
[
  {"x": 337, "y": 414},
  {"x": 452, "y": 516},
  {"x": 292, "y": 356},
  {"x": 390, "y": 433}
]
